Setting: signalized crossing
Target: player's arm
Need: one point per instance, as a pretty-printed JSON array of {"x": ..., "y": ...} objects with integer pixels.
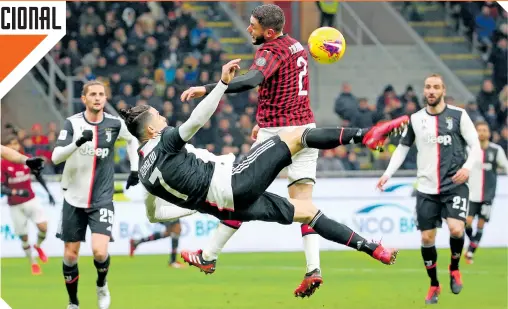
[
  {"x": 468, "y": 132},
  {"x": 132, "y": 146},
  {"x": 65, "y": 146},
  {"x": 265, "y": 64},
  {"x": 205, "y": 110},
  {"x": 400, "y": 154},
  {"x": 13, "y": 156},
  {"x": 158, "y": 210},
  {"x": 501, "y": 159}
]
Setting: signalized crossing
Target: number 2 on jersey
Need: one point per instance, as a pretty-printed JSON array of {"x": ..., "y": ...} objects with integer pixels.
[
  {"x": 156, "y": 174},
  {"x": 301, "y": 63}
]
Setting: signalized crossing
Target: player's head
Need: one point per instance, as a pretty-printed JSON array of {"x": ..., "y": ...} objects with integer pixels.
[
  {"x": 94, "y": 96},
  {"x": 434, "y": 90},
  {"x": 12, "y": 142},
  {"x": 266, "y": 23},
  {"x": 483, "y": 129},
  {"x": 143, "y": 121}
]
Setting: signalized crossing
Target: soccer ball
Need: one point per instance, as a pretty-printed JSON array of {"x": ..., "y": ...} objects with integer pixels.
[{"x": 326, "y": 45}]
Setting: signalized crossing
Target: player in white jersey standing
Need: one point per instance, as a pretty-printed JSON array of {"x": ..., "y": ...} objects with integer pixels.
[
  {"x": 86, "y": 143},
  {"x": 441, "y": 133},
  {"x": 483, "y": 183}
]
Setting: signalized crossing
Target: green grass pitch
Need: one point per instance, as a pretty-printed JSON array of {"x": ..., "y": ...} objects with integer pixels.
[{"x": 263, "y": 280}]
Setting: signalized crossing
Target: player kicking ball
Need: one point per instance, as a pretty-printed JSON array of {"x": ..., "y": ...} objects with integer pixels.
[
  {"x": 180, "y": 174},
  {"x": 483, "y": 183},
  {"x": 24, "y": 205}
]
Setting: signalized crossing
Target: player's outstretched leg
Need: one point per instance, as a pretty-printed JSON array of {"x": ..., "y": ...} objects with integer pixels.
[
  {"x": 206, "y": 259},
  {"x": 342, "y": 234},
  {"x": 475, "y": 241}
]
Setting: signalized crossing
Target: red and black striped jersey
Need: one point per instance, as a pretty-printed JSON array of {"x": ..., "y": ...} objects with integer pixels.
[{"x": 284, "y": 94}]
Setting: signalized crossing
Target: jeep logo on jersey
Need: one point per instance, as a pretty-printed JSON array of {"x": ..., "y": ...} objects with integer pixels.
[
  {"x": 441, "y": 139},
  {"x": 90, "y": 151}
]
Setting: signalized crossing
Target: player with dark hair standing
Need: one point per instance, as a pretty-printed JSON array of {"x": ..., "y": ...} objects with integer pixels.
[
  {"x": 280, "y": 70},
  {"x": 483, "y": 181},
  {"x": 86, "y": 144},
  {"x": 24, "y": 205},
  {"x": 173, "y": 228},
  {"x": 441, "y": 133},
  {"x": 191, "y": 178}
]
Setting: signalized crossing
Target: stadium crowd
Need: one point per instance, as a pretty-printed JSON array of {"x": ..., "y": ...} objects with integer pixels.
[{"x": 150, "y": 52}]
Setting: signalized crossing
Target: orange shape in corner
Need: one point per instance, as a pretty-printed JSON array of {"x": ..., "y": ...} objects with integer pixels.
[{"x": 15, "y": 48}]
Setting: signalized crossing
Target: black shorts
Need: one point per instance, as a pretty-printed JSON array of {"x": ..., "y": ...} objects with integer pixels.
[
  {"x": 250, "y": 179},
  {"x": 431, "y": 208},
  {"x": 268, "y": 207},
  {"x": 256, "y": 172},
  {"x": 480, "y": 210},
  {"x": 171, "y": 223},
  {"x": 75, "y": 220}
]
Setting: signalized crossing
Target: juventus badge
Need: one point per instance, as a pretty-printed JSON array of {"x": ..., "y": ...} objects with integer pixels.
[
  {"x": 449, "y": 123},
  {"x": 108, "y": 135}
]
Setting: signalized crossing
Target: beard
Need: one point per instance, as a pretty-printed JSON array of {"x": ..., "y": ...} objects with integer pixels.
[
  {"x": 259, "y": 40},
  {"x": 436, "y": 102}
]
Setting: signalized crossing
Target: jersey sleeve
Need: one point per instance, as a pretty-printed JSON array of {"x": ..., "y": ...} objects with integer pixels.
[
  {"x": 408, "y": 136},
  {"x": 468, "y": 132},
  {"x": 266, "y": 62},
  {"x": 171, "y": 140},
  {"x": 124, "y": 132},
  {"x": 501, "y": 159},
  {"x": 66, "y": 134}
]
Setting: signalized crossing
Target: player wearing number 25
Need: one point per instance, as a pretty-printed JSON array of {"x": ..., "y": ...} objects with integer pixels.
[{"x": 86, "y": 144}]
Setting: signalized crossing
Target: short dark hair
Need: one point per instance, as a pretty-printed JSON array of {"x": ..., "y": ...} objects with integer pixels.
[
  {"x": 8, "y": 139},
  {"x": 481, "y": 123},
  {"x": 270, "y": 16},
  {"x": 136, "y": 119}
]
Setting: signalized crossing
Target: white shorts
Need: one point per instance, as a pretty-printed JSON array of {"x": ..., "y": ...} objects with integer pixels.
[
  {"x": 21, "y": 213},
  {"x": 303, "y": 168}
]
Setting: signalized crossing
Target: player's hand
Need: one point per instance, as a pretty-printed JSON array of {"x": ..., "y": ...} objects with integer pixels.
[
  {"x": 254, "y": 134},
  {"x": 86, "y": 136},
  {"x": 21, "y": 193},
  {"x": 229, "y": 70},
  {"x": 382, "y": 182},
  {"x": 36, "y": 164},
  {"x": 133, "y": 179},
  {"x": 193, "y": 93},
  {"x": 51, "y": 200},
  {"x": 461, "y": 176}
]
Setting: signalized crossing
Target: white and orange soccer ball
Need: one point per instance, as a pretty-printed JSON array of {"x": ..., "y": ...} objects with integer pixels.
[{"x": 326, "y": 45}]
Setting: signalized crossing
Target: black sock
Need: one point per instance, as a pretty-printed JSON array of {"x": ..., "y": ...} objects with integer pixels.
[
  {"x": 339, "y": 233},
  {"x": 469, "y": 232},
  {"x": 152, "y": 237},
  {"x": 174, "y": 248},
  {"x": 71, "y": 276},
  {"x": 475, "y": 241},
  {"x": 102, "y": 271},
  {"x": 329, "y": 138},
  {"x": 429, "y": 255},
  {"x": 456, "y": 246}
]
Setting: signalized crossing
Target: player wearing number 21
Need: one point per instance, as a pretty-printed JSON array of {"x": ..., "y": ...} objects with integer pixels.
[
  {"x": 441, "y": 134},
  {"x": 280, "y": 70}
]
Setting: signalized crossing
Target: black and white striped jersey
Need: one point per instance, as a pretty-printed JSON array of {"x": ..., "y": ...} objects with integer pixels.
[
  {"x": 441, "y": 141},
  {"x": 88, "y": 176},
  {"x": 483, "y": 176}
]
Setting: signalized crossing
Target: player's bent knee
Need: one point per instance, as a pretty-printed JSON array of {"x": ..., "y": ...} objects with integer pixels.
[
  {"x": 428, "y": 239},
  {"x": 71, "y": 252},
  {"x": 305, "y": 211},
  {"x": 456, "y": 231},
  {"x": 43, "y": 227}
]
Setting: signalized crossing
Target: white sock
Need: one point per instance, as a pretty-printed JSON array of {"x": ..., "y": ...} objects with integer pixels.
[
  {"x": 311, "y": 248},
  {"x": 28, "y": 251},
  {"x": 219, "y": 239}
]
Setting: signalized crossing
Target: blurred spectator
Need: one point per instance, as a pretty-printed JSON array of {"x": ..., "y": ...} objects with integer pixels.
[
  {"x": 488, "y": 104},
  {"x": 329, "y": 162},
  {"x": 485, "y": 26},
  {"x": 498, "y": 60},
  {"x": 199, "y": 35},
  {"x": 346, "y": 105}
]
